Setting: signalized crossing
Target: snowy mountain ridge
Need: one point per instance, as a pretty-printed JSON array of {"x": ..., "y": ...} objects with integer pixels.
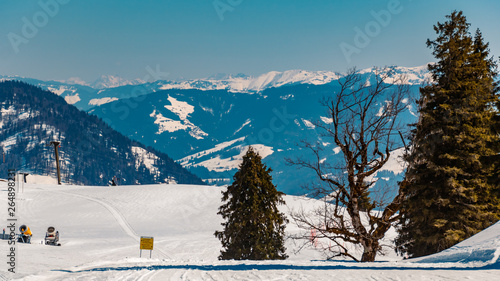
[
  {"x": 232, "y": 83},
  {"x": 241, "y": 83},
  {"x": 112, "y": 81},
  {"x": 249, "y": 84},
  {"x": 103, "y": 82},
  {"x": 109, "y": 88}
]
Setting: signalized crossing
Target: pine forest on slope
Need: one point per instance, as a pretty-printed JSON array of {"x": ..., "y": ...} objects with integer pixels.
[{"x": 91, "y": 152}]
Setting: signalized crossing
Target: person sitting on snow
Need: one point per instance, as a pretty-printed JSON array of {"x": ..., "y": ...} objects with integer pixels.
[{"x": 25, "y": 234}]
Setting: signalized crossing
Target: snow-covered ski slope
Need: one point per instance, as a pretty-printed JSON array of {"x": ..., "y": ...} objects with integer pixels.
[{"x": 100, "y": 229}]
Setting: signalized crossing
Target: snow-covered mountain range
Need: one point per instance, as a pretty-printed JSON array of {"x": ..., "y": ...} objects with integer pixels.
[
  {"x": 208, "y": 131},
  {"x": 207, "y": 124},
  {"x": 103, "y": 82},
  {"x": 246, "y": 84},
  {"x": 111, "y": 81},
  {"x": 108, "y": 88}
]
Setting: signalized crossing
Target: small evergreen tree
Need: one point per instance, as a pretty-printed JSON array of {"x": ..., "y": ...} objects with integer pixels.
[
  {"x": 365, "y": 202},
  {"x": 254, "y": 227},
  {"x": 448, "y": 192}
]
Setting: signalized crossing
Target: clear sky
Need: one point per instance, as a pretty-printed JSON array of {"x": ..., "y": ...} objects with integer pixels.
[{"x": 198, "y": 38}]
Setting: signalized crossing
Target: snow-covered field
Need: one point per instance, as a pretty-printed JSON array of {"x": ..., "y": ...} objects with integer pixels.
[{"x": 100, "y": 229}]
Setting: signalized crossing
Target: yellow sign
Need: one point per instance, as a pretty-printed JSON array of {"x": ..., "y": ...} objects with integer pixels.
[{"x": 147, "y": 243}]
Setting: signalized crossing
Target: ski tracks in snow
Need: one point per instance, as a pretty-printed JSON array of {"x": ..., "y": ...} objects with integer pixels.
[{"x": 117, "y": 215}]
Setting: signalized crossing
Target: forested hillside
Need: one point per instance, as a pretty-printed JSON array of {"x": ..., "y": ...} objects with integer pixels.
[{"x": 91, "y": 152}]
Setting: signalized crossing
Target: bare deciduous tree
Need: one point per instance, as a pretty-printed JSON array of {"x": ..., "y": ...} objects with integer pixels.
[{"x": 363, "y": 123}]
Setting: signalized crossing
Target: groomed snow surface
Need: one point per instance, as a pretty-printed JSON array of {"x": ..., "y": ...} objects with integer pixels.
[{"x": 100, "y": 229}]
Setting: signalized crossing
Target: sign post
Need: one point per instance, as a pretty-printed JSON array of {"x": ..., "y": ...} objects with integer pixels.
[{"x": 146, "y": 244}]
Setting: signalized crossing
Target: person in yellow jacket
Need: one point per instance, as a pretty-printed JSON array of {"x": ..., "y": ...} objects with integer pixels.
[{"x": 25, "y": 234}]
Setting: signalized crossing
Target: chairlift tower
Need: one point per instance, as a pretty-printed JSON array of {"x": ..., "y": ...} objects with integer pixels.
[{"x": 56, "y": 151}]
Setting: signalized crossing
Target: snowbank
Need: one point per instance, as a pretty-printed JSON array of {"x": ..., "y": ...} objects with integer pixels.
[{"x": 482, "y": 249}]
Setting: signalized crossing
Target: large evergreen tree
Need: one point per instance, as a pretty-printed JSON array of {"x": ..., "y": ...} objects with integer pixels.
[
  {"x": 254, "y": 227},
  {"x": 449, "y": 195}
]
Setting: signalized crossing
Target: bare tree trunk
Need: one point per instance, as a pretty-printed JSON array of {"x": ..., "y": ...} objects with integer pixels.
[{"x": 369, "y": 251}]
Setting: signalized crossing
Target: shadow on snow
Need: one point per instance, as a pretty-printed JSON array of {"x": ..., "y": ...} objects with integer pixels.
[{"x": 244, "y": 267}]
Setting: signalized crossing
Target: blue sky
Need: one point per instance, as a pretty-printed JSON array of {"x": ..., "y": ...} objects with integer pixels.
[{"x": 198, "y": 38}]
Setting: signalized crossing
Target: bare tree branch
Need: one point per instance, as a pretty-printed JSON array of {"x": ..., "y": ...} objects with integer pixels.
[{"x": 364, "y": 125}]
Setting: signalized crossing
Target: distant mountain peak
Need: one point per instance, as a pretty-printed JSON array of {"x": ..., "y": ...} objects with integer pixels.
[
  {"x": 413, "y": 75},
  {"x": 224, "y": 76},
  {"x": 244, "y": 83},
  {"x": 75, "y": 81},
  {"x": 112, "y": 81}
]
